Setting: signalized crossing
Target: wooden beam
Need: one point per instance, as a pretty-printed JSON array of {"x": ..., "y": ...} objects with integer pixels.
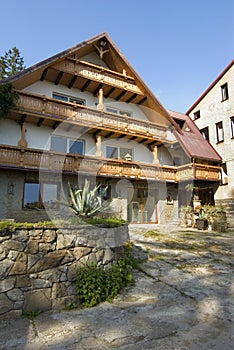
[
  {"x": 109, "y": 134},
  {"x": 109, "y": 92},
  {"x": 120, "y": 95},
  {"x": 23, "y": 118},
  {"x": 86, "y": 84},
  {"x": 131, "y": 98},
  {"x": 97, "y": 89},
  {"x": 96, "y": 133},
  {"x": 142, "y": 141},
  {"x": 142, "y": 100},
  {"x": 59, "y": 77},
  {"x": 72, "y": 82},
  {"x": 40, "y": 121},
  {"x": 121, "y": 136},
  {"x": 43, "y": 76},
  {"x": 133, "y": 138},
  {"x": 56, "y": 124}
]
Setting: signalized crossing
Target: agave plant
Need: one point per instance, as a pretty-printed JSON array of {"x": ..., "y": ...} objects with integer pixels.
[{"x": 87, "y": 202}]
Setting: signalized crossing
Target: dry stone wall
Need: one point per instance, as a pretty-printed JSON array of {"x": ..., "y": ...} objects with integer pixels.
[{"x": 38, "y": 266}]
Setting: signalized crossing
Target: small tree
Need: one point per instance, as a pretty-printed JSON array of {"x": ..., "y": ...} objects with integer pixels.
[
  {"x": 11, "y": 63},
  {"x": 8, "y": 97}
]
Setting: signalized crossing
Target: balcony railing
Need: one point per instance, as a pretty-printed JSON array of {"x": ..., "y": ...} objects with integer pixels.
[
  {"x": 32, "y": 159},
  {"x": 49, "y": 108}
]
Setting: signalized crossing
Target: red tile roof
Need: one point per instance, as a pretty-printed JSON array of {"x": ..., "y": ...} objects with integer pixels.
[{"x": 193, "y": 142}]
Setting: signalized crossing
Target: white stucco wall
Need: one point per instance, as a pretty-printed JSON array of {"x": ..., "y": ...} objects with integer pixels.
[{"x": 213, "y": 110}]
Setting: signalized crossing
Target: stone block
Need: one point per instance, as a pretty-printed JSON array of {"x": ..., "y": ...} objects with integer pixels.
[
  {"x": 49, "y": 236},
  {"x": 32, "y": 247},
  {"x": 51, "y": 260},
  {"x": 7, "y": 284},
  {"x": 5, "y": 267},
  {"x": 15, "y": 294},
  {"x": 3, "y": 252},
  {"x": 20, "y": 235},
  {"x": 79, "y": 252},
  {"x": 20, "y": 265},
  {"x": 5, "y": 304},
  {"x": 65, "y": 241},
  {"x": 22, "y": 281},
  {"x": 37, "y": 300},
  {"x": 12, "y": 244}
]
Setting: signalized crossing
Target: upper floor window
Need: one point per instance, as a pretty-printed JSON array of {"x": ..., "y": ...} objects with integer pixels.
[
  {"x": 224, "y": 92},
  {"x": 219, "y": 132},
  {"x": 118, "y": 111},
  {"x": 119, "y": 152},
  {"x": 232, "y": 126},
  {"x": 196, "y": 115},
  {"x": 205, "y": 133},
  {"x": 64, "y": 145},
  {"x": 61, "y": 97}
]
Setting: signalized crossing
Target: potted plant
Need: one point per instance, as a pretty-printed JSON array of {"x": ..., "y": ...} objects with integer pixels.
[
  {"x": 195, "y": 196},
  {"x": 187, "y": 215}
]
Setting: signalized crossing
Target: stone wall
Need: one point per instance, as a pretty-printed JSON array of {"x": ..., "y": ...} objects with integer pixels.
[{"x": 38, "y": 266}]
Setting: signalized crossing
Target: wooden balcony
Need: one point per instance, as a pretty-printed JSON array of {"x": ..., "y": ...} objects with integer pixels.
[
  {"x": 41, "y": 109},
  {"x": 31, "y": 159}
]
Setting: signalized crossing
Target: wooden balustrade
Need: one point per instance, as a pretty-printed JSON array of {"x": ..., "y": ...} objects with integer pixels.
[
  {"x": 14, "y": 157},
  {"x": 61, "y": 110}
]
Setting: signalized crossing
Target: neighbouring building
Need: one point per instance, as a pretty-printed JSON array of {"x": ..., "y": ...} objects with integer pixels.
[
  {"x": 86, "y": 113},
  {"x": 213, "y": 113}
]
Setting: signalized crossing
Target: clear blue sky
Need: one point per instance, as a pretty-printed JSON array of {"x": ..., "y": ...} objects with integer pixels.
[{"x": 178, "y": 47}]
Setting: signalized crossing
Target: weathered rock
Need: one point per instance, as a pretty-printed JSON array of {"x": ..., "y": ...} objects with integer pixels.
[
  {"x": 37, "y": 300},
  {"x": 7, "y": 284},
  {"x": 3, "y": 252},
  {"x": 32, "y": 247},
  {"x": 20, "y": 265},
  {"x": 15, "y": 294},
  {"x": 79, "y": 252},
  {"x": 66, "y": 241},
  {"x": 5, "y": 267},
  {"x": 49, "y": 236},
  {"x": 12, "y": 244},
  {"x": 5, "y": 304}
]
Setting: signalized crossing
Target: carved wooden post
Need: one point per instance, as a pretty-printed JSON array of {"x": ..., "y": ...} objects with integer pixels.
[
  {"x": 100, "y": 100},
  {"x": 99, "y": 146},
  {"x": 22, "y": 143},
  {"x": 155, "y": 154}
]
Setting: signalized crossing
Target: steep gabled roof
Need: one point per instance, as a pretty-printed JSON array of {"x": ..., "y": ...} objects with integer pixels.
[
  {"x": 114, "y": 59},
  {"x": 192, "y": 141},
  {"x": 210, "y": 87}
]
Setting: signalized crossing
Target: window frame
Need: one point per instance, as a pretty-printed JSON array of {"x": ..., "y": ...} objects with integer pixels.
[
  {"x": 205, "y": 133},
  {"x": 232, "y": 127},
  {"x": 39, "y": 203},
  {"x": 68, "y": 98},
  {"x": 118, "y": 149},
  {"x": 197, "y": 115},
  {"x": 68, "y": 141},
  {"x": 218, "y": 139},
  {"x": 119, "y": 111},
  {"x": 224, "y": 92}
]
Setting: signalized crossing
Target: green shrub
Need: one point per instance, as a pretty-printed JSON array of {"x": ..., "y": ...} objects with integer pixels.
[{"x": 96, "y": 284}]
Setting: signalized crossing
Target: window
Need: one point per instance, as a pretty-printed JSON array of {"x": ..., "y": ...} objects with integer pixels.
[
  {"x": 40, "y": 195},
  {"x": 196, "y": 115},
  {"x": 224, "y": 92},
  {"x": 179, "y": 122},
  {"x": 61, "y": 97},
  {"x": 115, "y": 152},
  {"x": 76, "y": 147},
  {"x": 111, "y": 152},
  {"x": 58, "y": 144},
  {"x": 118, "y": 111},
  {"x": 64, "y": 145},
  {"x": 31, "y": 195},
  {"x": 232, "y": 127},
  {"x": 219, "y": 132},
  {"x": 205, "y": 133}
]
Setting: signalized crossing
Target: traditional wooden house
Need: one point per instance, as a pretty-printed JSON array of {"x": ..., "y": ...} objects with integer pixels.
[{"x": 86, "y": 113}]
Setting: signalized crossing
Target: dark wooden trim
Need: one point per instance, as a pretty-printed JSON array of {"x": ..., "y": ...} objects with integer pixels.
[
  {"x": 109, "y": 134},
  {"x": 120, "y": 95},
  {"x": 97, "y": 89},
  {"x": 23, "y": 118},
  {"x": 56, "y": 124},
  {"x": 40, "y": 122},
  {"x": 86, "y": 84},
  {"x": 131, "y": 98},
  {"x": 43, "y": 76},
  {"x": 142, "y": 100},
  {"x": 59, "y": 77},
  {"x": 109, "y": 92},
  {"x": 72, "y": 82}
]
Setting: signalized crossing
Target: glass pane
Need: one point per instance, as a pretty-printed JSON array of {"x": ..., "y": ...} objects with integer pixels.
[
  {"x": 126, "y": 153},
  {"x": 76, "y": 147},
  {"x": 111, "y": 110},
  {"x": 58, "y": 144},
  {"x": 77, "y": 100},
  {"x": 49, "y": 195},
  {"x": 31, "y": 195},
  {"x": 125, "y": 113},
  {"x": 111, "y": 152},
  {"x": 60, "y": 97}
]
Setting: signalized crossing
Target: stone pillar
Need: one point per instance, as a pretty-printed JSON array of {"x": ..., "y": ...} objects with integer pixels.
[
  {"x": 155, "y": 154},
  {"x": 99, "y": 146},
  {"x": 100, "y": 100},
  {"x": 22, "y": 143}
]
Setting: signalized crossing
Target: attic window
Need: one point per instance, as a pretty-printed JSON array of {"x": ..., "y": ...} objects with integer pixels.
[
  {"x": 179, "y": 122},
  {"x": 196, "y": 115}
]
